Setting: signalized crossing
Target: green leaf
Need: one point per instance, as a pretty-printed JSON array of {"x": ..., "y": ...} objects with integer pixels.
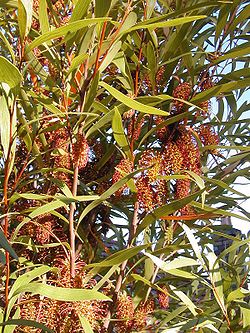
[
  {"x": 106, "y": 277},
  {"x": 43, "y": 16},
  {"x": 200, "y": 182},
  {"x": 119, "y": 257},
  {"x": 92, "y": 92},
  {"x": 5, "y": 125},
  {"x": 119, "y": 135},
  {"x": 5, "y": 245},
  {"x": 169, "y": 121},
  {"x": 9, "y": 3},
  {"x": 216, "y": 280},
  {"x": 183, "y": 274},
  {"x": 169, "y": 23},
  {"x": 11, "y": 328},
  {"x": 220, "y": 89},
  {"x": 102, "y": 7},
  {"x": 62, "y": 31},
  {"x": 104, "y": 120},
  {"x": 235, "y": 246},
  {"x": 85, "y": 324},
  {"x": 193, "y": 242},
  {"x": 47, "y": 208},
  {"x": 9, "y": 73},
  {"x": 189, "y": 304},
  {"x": 61, "y": 294},
  {"x": 165, "y": 210},
  {"x": 151, "y": 63},
  {"x": 78, "y": 60},
  {"x": 9, "y": 47},
  {"x": 224, "y": 185},
  {"x": 176, "y": 263},
  {"x": 28, "y": 277},
  {"x": 238, "y": 51},
  {"x": 29, "y": 323},
  {"x": 25, "y": 10},
  {"x": 80, "y": 10},
  {"x": 107, "y": 194},
  {"x": 219, "y": 211},
  {"x": 129, "y": 22},
  {"x": 110, "y": 56},
  {"x": 237, "y": 294},
  {"x": 131, "y": 102},
  {"x": 245, "y": 310}
]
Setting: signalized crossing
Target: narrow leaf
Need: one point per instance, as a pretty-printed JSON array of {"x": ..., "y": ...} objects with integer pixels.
[
  {"x": 62, "y": 31},
  {"x": 131, "y": 102},
  {"x": 189, "y": 304},
  {"x": 29, "y": 323},
  {"x": 85, "y": 324},
  {"x": 25, "y": 9},
  {"x": 119, "y": 257},
  {"x": 176, "y": 263},
  {"x": 62, "y": 294},
  {"x": 9, "y": 73},
  {"x": 119, "y": 135},
  {"x": 6, "y": 246}
]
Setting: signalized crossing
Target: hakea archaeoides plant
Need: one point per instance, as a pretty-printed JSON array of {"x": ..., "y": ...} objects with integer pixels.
[{"x": 107, "y": 90}]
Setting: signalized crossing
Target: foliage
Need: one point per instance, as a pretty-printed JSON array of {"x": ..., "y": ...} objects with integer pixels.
[{"x": 123, "y": 131}]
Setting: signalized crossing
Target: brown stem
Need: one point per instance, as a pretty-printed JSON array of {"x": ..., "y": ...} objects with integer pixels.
[
  {"x": 71, "y": 224},
  {"x": 99, "y": 48}
]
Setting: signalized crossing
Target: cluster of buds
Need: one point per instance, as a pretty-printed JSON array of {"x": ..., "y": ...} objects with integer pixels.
[
  {"x": 145, "y": 83},
  {"x": 122, "y": 169},
  {"x": 145, "y": 193},
  {"x": 182, "y": 91},
  {"x": 209, "y": 137}
]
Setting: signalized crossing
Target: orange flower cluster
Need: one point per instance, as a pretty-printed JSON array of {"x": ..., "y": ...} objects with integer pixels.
[
  {"x": 124, "y": 167},
  {"x": 182, "y": 91},
  {"x": 189, "y": 150},
  {"x": 163, "y": 131},
  {"x": 130, "y": 319},
  {"x": 182, "y": 190},
  {"x": 180, "y": 153},
  {"x": 209, "y": 137},
  {"x": 151, "y": 191},
  {"x": 80, "y": 151},
  {"x": 124, "y": 313},
  {"x": 163, "y": 298},
  {"x": 172, "y": 158}
]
